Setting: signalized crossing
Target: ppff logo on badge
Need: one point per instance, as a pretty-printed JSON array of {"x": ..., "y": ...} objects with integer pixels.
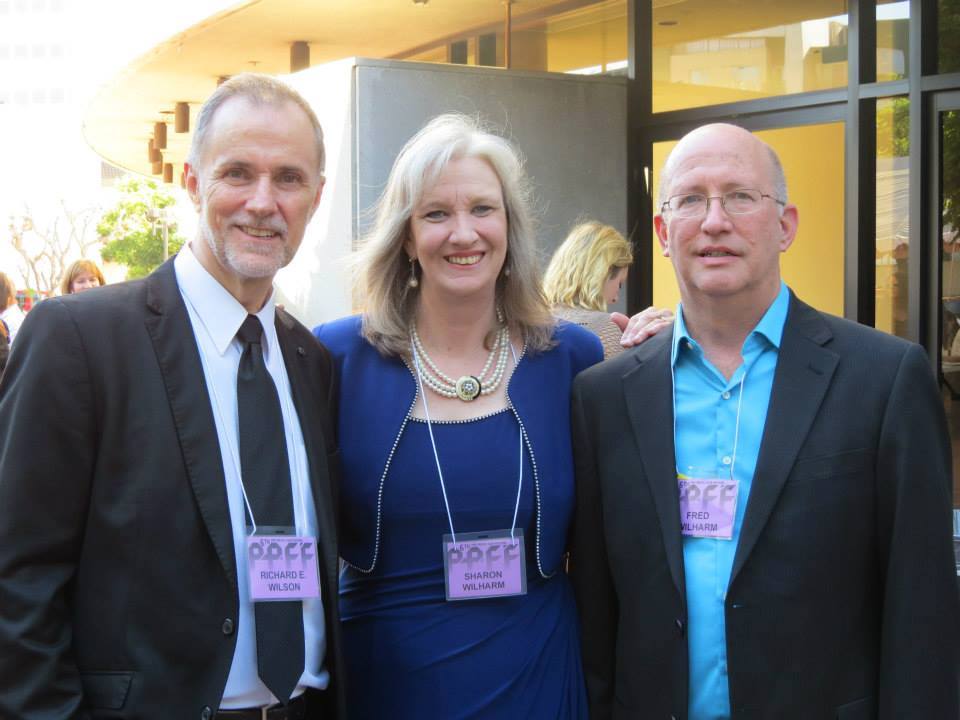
[
  {"x": 491, "y": 565},
  {"x": 282, "y": 567},
  {"x": 708, "y": 507}
]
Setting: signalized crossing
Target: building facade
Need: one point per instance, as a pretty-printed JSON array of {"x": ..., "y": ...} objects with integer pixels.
[{"x": 860, "y": 98}]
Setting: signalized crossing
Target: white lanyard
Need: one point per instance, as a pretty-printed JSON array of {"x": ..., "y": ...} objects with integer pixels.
[
  {"x": 232, "y": 450},
  {"x": 436, "y": 456},
  {"x": 736, "y": 427}
]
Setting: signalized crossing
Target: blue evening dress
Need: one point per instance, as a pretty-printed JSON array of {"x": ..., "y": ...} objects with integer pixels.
[{"x": 412, "y": 654}]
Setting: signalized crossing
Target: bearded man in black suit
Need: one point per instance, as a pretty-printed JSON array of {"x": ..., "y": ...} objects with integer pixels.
[{"x": 145, "y": 428}]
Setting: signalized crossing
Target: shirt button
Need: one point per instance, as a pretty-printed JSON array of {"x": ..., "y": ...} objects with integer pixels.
[
  {"x": 227, "y": 627},
  {"x": 689, "y": 345},
  {"x": 726, "y": 460},
  {"x": 726, "y": 395}
]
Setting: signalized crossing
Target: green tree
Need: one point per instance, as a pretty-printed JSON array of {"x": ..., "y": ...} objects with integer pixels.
[
  {"x": 893, "y": 127},
  {"x": 948, "y": 22},
  {"x": 950, "y": 183},
  {"x": 133, "y": 230}
]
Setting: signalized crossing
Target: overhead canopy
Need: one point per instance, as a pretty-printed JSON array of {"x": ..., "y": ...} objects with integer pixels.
[{"x": 258, "y": 34}]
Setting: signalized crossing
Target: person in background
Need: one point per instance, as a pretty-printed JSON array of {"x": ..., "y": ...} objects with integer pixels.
[
  {"x": 10, "y": 311},
  {"x": 4, "y": 346},
  {"x": 455, "y": 445},
  {"x": 585, "y": 275},
  {"x": 82, "y": 275},
  {"x": 763, "y": 524}
]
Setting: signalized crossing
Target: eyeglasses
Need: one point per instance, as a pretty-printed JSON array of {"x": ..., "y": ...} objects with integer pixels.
[{"x": 742, "y": 201}]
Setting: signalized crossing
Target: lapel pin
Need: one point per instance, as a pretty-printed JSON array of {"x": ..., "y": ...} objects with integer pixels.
[{"x": 301, "y": 352}]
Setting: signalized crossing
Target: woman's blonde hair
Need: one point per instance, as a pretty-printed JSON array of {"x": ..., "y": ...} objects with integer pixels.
[
  {"x": 76, "y": 268},
  {"x": 384, "y": 269},
  {"x": 8, "y": 291},
  {"x": 591, "y": 254}
]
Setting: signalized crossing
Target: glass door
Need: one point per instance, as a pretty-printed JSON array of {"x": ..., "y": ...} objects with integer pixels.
[{"x": 947, "y": 146}]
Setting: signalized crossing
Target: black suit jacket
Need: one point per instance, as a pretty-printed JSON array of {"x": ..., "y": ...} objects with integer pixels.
[
  {"x": 842, "y": 601},
  {"x": 118, "y": 584}
]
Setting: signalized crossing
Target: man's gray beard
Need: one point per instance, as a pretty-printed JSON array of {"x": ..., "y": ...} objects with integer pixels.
[{"x": 226, "y": 254}]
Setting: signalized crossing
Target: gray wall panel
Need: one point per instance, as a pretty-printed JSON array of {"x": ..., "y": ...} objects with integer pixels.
[{"x": 571, "y": 129}]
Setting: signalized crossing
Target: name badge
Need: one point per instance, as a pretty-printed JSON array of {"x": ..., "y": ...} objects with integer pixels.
[
  {"x": 484, "y": 565},
  {"x": 708, "y": 507},
  {"x": 282, "y": 567}
]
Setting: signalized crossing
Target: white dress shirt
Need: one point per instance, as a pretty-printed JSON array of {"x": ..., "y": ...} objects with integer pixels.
[
  {"x": 13, "y": 316},
  {"x": 216, "y": 317}
]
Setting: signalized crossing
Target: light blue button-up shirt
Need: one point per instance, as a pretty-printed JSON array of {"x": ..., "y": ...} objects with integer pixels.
[{"x": 706, "y": 407}]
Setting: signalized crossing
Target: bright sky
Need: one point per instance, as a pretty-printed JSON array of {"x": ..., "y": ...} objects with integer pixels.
[{"x": 54, "y": 55}]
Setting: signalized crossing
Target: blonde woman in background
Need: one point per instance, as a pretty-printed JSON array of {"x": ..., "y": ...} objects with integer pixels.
[
  {"x": 585, "y": 275},
  {"x": 81, "y": 275},
  {"x": 10, "y": 311}
]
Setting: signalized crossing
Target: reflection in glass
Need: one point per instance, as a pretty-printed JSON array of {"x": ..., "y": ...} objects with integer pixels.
[
  {"x": 717, "y": 51},
  {"x": 950, "y": 281},
  {"x": 948, "y": 29},
  {"x": 585, "y": 37},
  {"x": 589, "y": 40},
  {"x": 893, "y": 228},
  {"x": 893, "y": 20}
]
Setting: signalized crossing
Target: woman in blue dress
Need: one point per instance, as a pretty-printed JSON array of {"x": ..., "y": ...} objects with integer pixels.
[{"x": 455, "y": 448}]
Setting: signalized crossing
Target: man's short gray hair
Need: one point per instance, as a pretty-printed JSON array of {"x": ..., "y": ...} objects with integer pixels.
[
  {"x": 779, "y": 179},
  {"x": 259, "y": 89}
]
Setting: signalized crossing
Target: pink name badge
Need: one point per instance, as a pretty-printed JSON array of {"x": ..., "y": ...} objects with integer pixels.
[
  {"x": 484, "y": 565},
  {"x": 708, "y": 507},
  {"x": 282, "y": 567}
]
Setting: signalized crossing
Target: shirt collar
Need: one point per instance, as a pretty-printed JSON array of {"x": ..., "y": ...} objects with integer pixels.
[
  {"x": 769, "y": 327},
  {"x": 218, "y": 310}
]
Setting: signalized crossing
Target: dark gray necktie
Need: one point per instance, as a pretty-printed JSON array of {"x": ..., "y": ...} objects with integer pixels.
[{"x": 266, "y": 479}]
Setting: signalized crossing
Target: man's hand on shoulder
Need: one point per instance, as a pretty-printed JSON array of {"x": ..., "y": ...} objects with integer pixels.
[{"x": 643, "y": 325}]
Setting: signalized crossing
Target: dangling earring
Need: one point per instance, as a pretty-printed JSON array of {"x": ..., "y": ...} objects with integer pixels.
[
  {"x": 413, "y": 282},
  {"x": 506, "y": 272}
]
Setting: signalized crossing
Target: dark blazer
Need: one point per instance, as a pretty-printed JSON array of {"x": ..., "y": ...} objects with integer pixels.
[
  {"x": 118, "y": 587},
  {"x": 842, "y": 601}
]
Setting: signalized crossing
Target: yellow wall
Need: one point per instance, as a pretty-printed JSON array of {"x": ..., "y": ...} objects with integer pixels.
[
  {"x": 812, "y": 158},
  {"x": 528, "y": 50},
  {"x": 590, "y": 44},
  {"x": 677, "y": 96}
]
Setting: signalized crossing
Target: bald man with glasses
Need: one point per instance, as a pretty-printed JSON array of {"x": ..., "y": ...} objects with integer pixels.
[{"x": 763, "y": 524}]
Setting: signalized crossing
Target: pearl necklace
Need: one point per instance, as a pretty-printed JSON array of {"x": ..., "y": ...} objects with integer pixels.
[{"x": 467, "y": 387}]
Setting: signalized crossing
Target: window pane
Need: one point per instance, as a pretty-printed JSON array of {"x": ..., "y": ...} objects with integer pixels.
[
  {"x": 893, "y": 229},
  {"x": 893, "y": 20},
  {"x": 719, "y": 51},
  {"x": 588, "y": 40},
  {"x": 950, "y": 282},
  {"x": 813, "y": 266},
  {"x": 585, "y": 37},
  {"x": 948, "y": 28}
]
